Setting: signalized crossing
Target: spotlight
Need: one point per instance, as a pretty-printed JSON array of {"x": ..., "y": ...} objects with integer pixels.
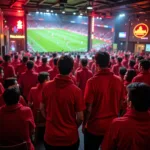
[
  {"x": 89, "y": 7},
  {"x": 52, "y": 11},
  {"x": 55, "y": 14},
  {"x": 37, "y": 12},
  {"x": 122, "y": 15},
  {"x": 63, "y": 12},
  {"x": 47, "y": 10},
  {"x": 74, "y": 13},
  {"x": 19, "y": 11},
  {"x": 81, "y": 14}
]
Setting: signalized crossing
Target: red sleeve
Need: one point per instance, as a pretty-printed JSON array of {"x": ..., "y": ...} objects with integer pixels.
[
  {"x": 110, "y": 139},
  {"x": 79, "y": 102},
  {"x": 89, "y": 95},
  {"x": 78, "y": 77},
  {"x": 12, "y": 72},
  {"x": 22, "y": 101}
]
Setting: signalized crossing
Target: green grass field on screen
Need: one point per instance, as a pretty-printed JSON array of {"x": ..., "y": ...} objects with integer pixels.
[{"x": 52, "y": 40}]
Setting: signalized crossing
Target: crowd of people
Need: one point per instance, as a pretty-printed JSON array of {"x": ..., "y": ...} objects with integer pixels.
[{"x": 108, "y": 94}]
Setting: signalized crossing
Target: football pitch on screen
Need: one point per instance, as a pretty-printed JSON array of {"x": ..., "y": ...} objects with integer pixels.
[{"x": 52, "y": 40}]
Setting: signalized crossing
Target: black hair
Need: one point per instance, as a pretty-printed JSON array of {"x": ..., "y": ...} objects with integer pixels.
[
  {"x": 7, "y": 58},
  {"x": 30, "y": 64},
  {"x": 84, "y": 62},
  {"x": 54, "y": 55},
  {"x": 44, "y": 60},
  {"x": 126, "y": 56},
  {"x": 55, "y": 61},
  {"x": 9, "y": 82},
  {"x": 43, "y": 76},
  {"x": 16, "y": 57},
  {"x": 38, "y": 57},
  {"x": 130, "y": 75},
  {"x": 65, "y": 65},
  {"x": 132, "y": 63},
  {"x": 140, "y": 58},
  {"x": 102, "y": 59},
  {"x": 145, "y": 64},
  {"x": 32, "y": 58},
  {"x": 122, "y": 71},
  {"x": 139, "y": 95},
  {"x": 78, "y": 56},
  {"x": 112, "y": 57},
  {"x": 24, "y": 59},
  {"x": 119, "y": 59},
  {"x": 11, "y": 96}
]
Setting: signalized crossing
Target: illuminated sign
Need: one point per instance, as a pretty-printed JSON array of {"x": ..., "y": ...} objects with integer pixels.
[
  {"x": 141, "y": 30},
  {"x": 19, "y": 24},
  {"x": 17, "y": 36}
]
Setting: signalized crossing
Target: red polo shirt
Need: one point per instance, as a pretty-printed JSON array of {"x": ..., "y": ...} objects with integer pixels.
[
  {"x": 21, "y": 69},
  {"x": 82, "y": 76},
  {"x": 115, "y": 69},
  {"x": 51, "y": 63},
  {"x": 73, "y": 78},
  {"x": 28, "y": 80},
  {"x": 16, "y": 125},
  {"x": 1, "y": 89},
  {"x": 15, "y": 63},
  {"x": 93, "y": 68},
  {"x": 105, "y": 92},
  {"x": 8, "y": 70},
  {"x": 53, "y": 72},
  {"x": 143, "y": 77},
  {"x": 21, "y": 101},
  {"x": 38, "y": 63},
  {"x": 125, "y": 63},
  {"x": 35, "y": 97},
  {"x": 44, "y": 68},
  {"x": 130, "y": 132},
  {"x": 63, "y": 100}
]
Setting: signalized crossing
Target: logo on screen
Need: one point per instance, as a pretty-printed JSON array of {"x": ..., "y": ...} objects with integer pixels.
[{"x": 140, "y": 30}]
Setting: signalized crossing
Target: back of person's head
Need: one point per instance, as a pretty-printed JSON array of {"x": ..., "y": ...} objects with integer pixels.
[
  {"x": 11, "y": 96},
  {"x": 7, "y": 58},
  {"x": 119, "y": 59},
  {"x": 139, "y": 58},
  {"x": 130, "y": 74},
  {"x": 126, "y": 56},
  {"x": 43, "y": 76},
  {"x": 54, "y": 55},
  {"x": 84, "y": 62},
  {"x": 10, "y": 82},
  {"x": 139, "y": 95},
  {"x": 30, "y": 64},
  {"x": 32, "y": 58},
  {"x": 78, "y": 56},
  {"x": 112, "y": 57},
  {"x": 122, "y": 71},
  {"x": 132, "y": 63},
  {"x": 145, "y": 64},
  {"x": 55, "y": 61},
  {"x": 24, "y": 59},
  {"x": 65, "y": 65},
  {"x": 16, "y": 57},
  {"x": 38, "y": 57},
  {"x": 44, "y": 60},
  {"x": 102, "y": 59}
]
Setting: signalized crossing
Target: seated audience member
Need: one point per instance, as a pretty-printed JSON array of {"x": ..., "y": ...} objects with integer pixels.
[
  {"x": 8, "y": 68},
  {"x": 53, "y": 72},
  {"x": 15, "y": 62},
  {"x": 51, "y": 62},
  {"x": 11, "y": 82},
  {"x": 22, "y": 67},
  {"x": 44, "y": 67},
  {"x": 28, "y": 79},
  {"x": 16, "y": 121},
  {"x": 83, "y": 75},
  {"x": 112, "y": 61},
  {"x": 131, "y": 64},
  {"x": 103, "y": 96},
  {"x": 132, "y": 131},
  {"x": 38, "y": 61},
  {"x": 125, "y": 61},
  {"x": 35, "y": 94},
  {"x": 138, "y": 59},
  {"x": 144, "y": 75},
  {"x": 1, "y": 75},
  {"x": 32, "y": 58},
  {"x": 122, "y": 72},
  {"x": 63, "y": 107}
]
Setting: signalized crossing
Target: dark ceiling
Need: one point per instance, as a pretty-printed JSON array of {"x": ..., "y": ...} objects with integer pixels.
[{"x": 100, "y": 7}]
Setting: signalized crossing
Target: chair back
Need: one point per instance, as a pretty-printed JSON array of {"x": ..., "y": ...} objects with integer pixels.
[{"x": 21, "y": 146}]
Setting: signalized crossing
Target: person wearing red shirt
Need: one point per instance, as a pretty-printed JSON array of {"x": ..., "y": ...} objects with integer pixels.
[
  {"x": 35, "y": 94},
  {"x": 1, "y": 75},
  {"x": 77, "y": 63},
  {"x": 73, "y": 78},
  {"x": 53, "y": 72},
  {"x": 103, "y": 96},
  {"x": 132, "y": 131},
  {"x": 22, "y": 67},
  {"x": 8, "y": 68},
  {"x": 51, "y": 62},
  {"x": 125, "y": 61},
  {"x": 63, "y": 107},
  {"x": 83, "y": 75},
  {"x": 32, "y": 58},
  {"x": 1, "y": 89},
  {"x": 15, "y": 62},
  {"x": 28, "y": 79},
  {"x": 131, "y": 65},
  {"x": 144, "y": 75},
  {"x": 16, "y": 121},
  {"x": 116, "y": 67},
  {"x": 91, "y": 62},
  {"x": 113, "y": 61},
  {"x": 122, "y": 72},
  {"x": 138, "y": 59},
  {"x": 38, "y": 61},
  {"x": 11, "y": 82},
  {"x": 93, "y": 68},
  {"x": 44, "y": 67}
]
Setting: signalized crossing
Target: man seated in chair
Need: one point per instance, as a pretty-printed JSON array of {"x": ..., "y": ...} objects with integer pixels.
[{"x": 16, "y": 121}]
